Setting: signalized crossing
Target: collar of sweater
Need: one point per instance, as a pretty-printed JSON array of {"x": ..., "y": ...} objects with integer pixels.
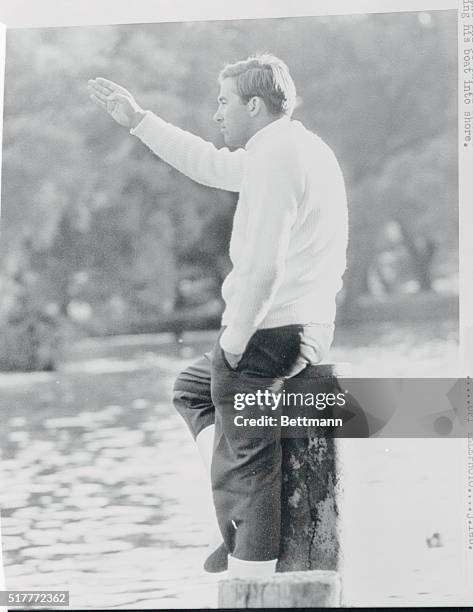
[{"x": 268, "y": 131}]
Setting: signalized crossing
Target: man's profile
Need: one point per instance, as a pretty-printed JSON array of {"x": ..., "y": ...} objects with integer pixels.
[{"x": 288, "y": 254}]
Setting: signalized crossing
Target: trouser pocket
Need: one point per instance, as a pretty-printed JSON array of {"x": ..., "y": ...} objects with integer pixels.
[{"x": 276, "y": 352}]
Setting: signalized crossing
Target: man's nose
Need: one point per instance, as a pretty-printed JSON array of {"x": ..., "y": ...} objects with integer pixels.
[{"x": 217, "y": 117}]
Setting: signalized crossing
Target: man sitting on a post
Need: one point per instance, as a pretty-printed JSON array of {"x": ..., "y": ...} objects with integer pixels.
[{"x": 288, "y": 254}]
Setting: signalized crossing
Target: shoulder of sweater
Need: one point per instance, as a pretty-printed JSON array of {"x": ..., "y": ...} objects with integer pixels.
[
  {"x": 295, "y": 155},
  {"x": 281, "y": 159},
  {"x": 295, "y": 139},
  {"x": 283, "y": 147}
]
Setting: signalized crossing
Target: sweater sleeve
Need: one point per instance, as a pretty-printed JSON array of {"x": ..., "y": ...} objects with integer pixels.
[
  {"x": 198, "y": 159},
  {"x": 274, "y": 186}
]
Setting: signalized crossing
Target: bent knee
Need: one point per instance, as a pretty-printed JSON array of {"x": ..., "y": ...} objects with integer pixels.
[{"x": 190, "y": 393}]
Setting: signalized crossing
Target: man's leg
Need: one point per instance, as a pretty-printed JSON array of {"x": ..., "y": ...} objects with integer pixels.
[
  {"x": 246, "y": 469},
  {"x": 192, "y": 399}
]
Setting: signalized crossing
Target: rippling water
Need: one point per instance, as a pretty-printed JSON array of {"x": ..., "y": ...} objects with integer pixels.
[
  {"x": 102, "y": 492},
  {"x": 101, "y": 486}
]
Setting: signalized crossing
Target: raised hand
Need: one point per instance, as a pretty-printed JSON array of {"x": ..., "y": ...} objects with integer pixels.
[{"x": 116, "y": 100}]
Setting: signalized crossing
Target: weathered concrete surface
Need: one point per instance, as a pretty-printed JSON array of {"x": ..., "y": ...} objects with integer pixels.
[
  {"x": 288, "y": 590},
  {"x": 310, "y": 505},
  {"x": 311, "y": 485}
]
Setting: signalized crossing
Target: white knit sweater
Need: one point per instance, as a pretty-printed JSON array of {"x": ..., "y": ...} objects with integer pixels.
[{"x": 289, "y": 237}]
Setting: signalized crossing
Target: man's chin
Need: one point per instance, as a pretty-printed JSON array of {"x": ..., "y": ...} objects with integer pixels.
[{"x": 231, "y": 143}]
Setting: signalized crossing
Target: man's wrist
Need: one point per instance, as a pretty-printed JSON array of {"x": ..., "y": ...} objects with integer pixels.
[
  {"x": 234, "y": 342},
  {"x": 137, "y": 118}
]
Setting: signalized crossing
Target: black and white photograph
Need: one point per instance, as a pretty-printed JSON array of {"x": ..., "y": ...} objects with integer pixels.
[{"x": 202, "y": 221}]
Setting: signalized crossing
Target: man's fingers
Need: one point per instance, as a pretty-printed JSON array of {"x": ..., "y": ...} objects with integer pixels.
[
  {"x": 97, "y": 94},
  {"x": 98, "y": 101},
  {"x": 99, "y": 89},
  {"x": 117, "y": 97},
  {"x": 101, "y": 93},
  {"x": 110, "y": 85}
]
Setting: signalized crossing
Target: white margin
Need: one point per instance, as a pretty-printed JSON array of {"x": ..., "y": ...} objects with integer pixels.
[
  {"x": 50, "y": 13},
  {"x": 465, "y": 221},
  {"x": 465, "y": 160}
]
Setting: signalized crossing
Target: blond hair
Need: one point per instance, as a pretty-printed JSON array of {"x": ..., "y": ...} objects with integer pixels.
[{"x": 266, "y": 77}]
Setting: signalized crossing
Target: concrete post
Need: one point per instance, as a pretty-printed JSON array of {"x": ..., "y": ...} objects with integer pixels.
[{"x": 315, "y": 589}]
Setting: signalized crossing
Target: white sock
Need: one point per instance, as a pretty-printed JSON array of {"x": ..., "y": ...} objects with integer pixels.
[
  {"x": 246, "y": 570},
  {"x": 205, "y": 444}
]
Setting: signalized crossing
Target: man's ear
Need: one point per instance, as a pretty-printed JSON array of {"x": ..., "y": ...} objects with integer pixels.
[{"x": 255, "y": 105}]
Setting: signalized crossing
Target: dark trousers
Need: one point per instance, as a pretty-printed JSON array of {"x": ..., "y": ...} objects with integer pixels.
[{"x": 246, "y": 468}]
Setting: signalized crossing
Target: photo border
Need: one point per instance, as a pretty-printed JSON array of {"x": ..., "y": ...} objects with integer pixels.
[{"x": 60, "y": 13}]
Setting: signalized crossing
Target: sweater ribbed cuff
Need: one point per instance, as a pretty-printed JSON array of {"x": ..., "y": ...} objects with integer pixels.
[
  {"x": 141, "y": 127},
  {"x": 149, "y": 125}
]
